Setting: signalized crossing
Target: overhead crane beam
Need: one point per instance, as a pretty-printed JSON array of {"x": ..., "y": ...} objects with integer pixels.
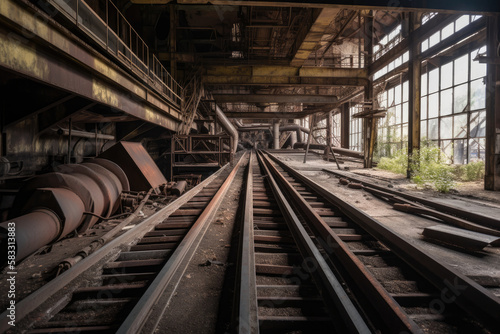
[
  {"x": 284, "y": 75},
  {"x": 452, "y": 6},
  {"x": 274, "y": 98}
]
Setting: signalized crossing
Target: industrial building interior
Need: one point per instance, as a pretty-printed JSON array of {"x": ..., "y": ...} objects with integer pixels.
[{"x": 133, "y": 133}]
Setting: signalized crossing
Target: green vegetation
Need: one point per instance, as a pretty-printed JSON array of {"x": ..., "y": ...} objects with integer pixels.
[
  {"x": 429, "y": 168},
  {"x": 473, "y": 171}
]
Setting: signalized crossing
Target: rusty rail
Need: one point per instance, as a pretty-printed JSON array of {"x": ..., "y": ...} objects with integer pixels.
[
  {"x": 64, "y": 283},
  {"x": 472, "y": 297},
  {"x": 392, "y": 313},
  {"x": 172, "y": 271},
  {"x": 351, "y": 317},
  {"x": 443, "y": 208}
]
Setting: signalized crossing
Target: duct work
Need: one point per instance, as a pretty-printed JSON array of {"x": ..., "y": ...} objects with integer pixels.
[
  {"x": 228, "y": 126},
  {"x": 48, "y": 207}
]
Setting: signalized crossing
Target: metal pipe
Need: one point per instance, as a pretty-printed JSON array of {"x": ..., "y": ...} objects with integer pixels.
[
  {"x": 85, "y": 134},
  {"x": 228, "y": 126},
  {"x": 179, "y": 188},
  {"x": 276, "y": 135},
  {"x": 69, "y": 262}
]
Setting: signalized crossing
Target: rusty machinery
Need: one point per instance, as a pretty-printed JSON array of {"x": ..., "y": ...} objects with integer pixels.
[{"x": 74, "y": 197}]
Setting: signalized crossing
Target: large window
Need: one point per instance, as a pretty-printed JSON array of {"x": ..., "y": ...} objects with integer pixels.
[
  {"x": 453, "y": 102},
  {"x": 356, "y": 128},
  {"x": 447, "y": 31},
  {"x": 393, "y": 129}
]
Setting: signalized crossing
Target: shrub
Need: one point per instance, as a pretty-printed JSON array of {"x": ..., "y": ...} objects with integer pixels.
[
  {"x": 473, "y": 171},
  {"x": 428, "y": 167}
]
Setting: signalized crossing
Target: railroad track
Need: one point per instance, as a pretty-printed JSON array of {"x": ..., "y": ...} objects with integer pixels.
[
  {"x": 278, "y": 291},
  {"x": 393, "y": 286},
  {"x": 132, "y": 272}
]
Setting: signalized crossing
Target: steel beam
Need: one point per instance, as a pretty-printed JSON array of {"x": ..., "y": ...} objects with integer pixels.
[
  {"x": 267, "y": 115},
  {"x": 414, "y": 79},
  {"x": 274, "y": 98},
  {"x": 454, "y": 6},
  {"x": 308, "y": 42},
  {"x": 492, "y": 176},
  {"x": 54, "y": 57}
]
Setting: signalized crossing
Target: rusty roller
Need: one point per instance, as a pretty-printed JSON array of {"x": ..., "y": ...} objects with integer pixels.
[{"x": 50, "y": 206}]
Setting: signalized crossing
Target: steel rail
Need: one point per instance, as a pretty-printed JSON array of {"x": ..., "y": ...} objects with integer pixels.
[
  {"x": 469, "y": 295},
  {"x": 395, "y": 318},
  {"x": 38, "y": 298},
  {"x": 172, "y": 271},
  {"x": 333, "y": 288},
  {"x": 456, "y": 211},
  {"x": 247, "y": 321}
]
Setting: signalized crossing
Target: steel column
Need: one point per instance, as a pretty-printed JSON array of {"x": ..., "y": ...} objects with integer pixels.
[{"x": 492, "y": 177}]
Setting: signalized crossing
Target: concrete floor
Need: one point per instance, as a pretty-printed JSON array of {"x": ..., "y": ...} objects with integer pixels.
[{"x": 485, "y": 263}]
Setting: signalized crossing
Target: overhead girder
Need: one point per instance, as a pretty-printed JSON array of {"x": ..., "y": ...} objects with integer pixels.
[
  {"x": 274, "y": 98},
  {"x": 56, "y": 59},
  {"x": 284, "y": 75},
  {"x": 401, "y": 5},
  {"x": 308, "y": 42}
]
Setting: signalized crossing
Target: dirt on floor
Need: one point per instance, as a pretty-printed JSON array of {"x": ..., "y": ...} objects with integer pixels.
[{"x": 194, "y": 308}]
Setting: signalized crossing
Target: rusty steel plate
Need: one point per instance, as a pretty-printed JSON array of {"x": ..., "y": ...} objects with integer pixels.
[{"x": 142, "y": 172}]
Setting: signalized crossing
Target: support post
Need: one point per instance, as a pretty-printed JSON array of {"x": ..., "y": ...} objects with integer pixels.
[
  {"x": 70, "y": 127},
  {"x": 345, "y": 124},
  {"x": 369, "y": 124},
  {"x": 276, "y": 134},
  {"x": 492, "y": 172},
  {"x": 329, "y": 129},
  {"x": 414, "y": 80},
  {"x": 173, "y": 41}
]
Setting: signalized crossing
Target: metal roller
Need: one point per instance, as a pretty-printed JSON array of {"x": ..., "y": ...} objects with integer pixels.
[
  {"x": 51, "y": 214},
  {"x": 91, "y": 184},
  {"x": 48, "y": 207}
]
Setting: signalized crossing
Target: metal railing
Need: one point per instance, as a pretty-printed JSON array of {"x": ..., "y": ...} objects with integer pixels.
[{"x": 106, "y": 25}]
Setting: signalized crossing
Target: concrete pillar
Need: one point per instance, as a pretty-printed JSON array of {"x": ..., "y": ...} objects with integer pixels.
[
  {"x": 276, "y": 133},
  {"x": 492, "y": 175}
]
